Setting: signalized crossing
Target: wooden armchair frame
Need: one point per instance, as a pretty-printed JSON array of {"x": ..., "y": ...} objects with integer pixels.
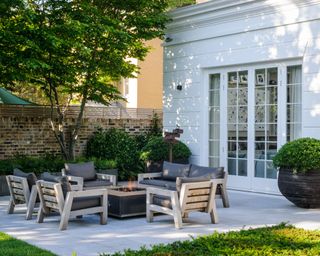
[
  {"x": 21, "y": 194},
  {"x": 79, "y": 180},
  {"x": 221, "y": 183},
  {"x": 196, "y": 196},
  {"x": 52, "y": 199}
]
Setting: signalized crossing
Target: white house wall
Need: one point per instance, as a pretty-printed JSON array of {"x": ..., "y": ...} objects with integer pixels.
[{"x": 230, "y": 33}]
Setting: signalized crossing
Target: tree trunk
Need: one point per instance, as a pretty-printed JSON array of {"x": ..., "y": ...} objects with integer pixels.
[{"x": 75, "y": 130}]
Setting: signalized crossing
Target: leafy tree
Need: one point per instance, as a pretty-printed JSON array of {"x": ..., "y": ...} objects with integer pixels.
[
  {"x": 75, "y": 48},
  {"x": 180, "y": 3}
]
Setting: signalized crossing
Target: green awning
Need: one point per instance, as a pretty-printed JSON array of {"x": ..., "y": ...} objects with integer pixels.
[{"x": 8, "y": 98}]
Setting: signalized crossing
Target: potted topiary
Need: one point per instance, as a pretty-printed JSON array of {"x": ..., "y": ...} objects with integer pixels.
[
  {"x": 157, "y": 150},
  {"x": 299, "y": 172}
]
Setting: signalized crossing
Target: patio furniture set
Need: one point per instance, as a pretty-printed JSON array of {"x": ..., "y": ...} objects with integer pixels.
[{"x": 177, "y": 190}]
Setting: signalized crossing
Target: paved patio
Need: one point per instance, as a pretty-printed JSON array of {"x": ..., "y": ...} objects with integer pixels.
[{"x": 86, "y": 237}]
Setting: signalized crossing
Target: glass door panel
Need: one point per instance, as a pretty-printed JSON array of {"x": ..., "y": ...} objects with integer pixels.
[
  {"x": 214, "y": 120},
  {"x": 266, "y": 119},
  {"x": 237, "y": 122}
]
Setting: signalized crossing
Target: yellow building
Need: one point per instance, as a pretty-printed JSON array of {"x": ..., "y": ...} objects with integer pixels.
[{"x": 145, "y": 91}]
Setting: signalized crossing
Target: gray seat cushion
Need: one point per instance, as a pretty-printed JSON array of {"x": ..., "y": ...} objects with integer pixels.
[
  {"x": 160, "y": 183},
  {"x": 171, "y": 171},
  {"x": 97, "y": 183},
  {"x": 163, "y": 201},
  {"x": 65, "y": 185},
  {"x": 211, "y": 172},
  {"x": 31, "y": 177},
  {"x": 181, "y": 181},
  {"x": 85, "y": 202},
  {"x": 84, "y": 170}
]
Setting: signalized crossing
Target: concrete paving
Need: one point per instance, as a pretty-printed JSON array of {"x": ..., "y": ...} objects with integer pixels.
[{"x": 86, "y": 237}]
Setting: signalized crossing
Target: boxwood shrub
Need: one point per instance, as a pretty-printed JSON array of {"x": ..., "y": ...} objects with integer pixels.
[
  {"x": 300, "y": 155},
  {"x": 119, "y": 146},
  {"x": 158, "y": 150}
]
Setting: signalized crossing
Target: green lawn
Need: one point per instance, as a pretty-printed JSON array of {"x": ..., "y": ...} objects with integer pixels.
[
  {"x": 10, "y": 246},
  {"x": 277, "y": 240}
]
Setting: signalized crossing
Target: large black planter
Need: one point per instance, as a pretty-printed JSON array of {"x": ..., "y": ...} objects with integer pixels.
[{"x": 302, "y": 189}]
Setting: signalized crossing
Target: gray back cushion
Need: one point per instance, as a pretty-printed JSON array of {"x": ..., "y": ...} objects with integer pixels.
[
  {"x": 181, "y": 181},
  {"x": 31, "y": 177},
  {"x": 65, "y": 185},
  {"x": 168, "y": 184},
  {"x": 84, "y": 170},
  {"x": 171, "y": 171},
  {"x": 211, "y": 172}
]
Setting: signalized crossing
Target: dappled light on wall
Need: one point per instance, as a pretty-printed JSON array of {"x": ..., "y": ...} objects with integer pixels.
[{"x": 315, "y": 111}]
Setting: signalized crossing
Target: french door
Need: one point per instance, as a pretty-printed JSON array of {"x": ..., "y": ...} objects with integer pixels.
[{"x": 249, "y": 116}]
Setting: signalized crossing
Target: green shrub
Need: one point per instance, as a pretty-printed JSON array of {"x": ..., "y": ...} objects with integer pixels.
[
  {"x": 268, "y": 241},
  {"x": 141, "y": 140},
  {"x": 158, "y": 150},
  {"x": 300, "y": 155},
  {"x": 99, "y": 163},
  {"x": 48, "y": 163},
  {"x": 117, "y": 145},
  {"x": 156, "y": 128}
]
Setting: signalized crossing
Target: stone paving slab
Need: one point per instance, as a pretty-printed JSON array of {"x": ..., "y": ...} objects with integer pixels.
[{"x": 87, "y": 238}]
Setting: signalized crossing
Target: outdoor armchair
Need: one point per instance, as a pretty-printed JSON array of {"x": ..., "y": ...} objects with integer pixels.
[
  {"x": 171, "y": 171},
  {"x": 192, "y": 194},
  {"x": 56, "y": 195},
  {"x": 22, "y": 187},
  {"x": 84, "y": 176}
]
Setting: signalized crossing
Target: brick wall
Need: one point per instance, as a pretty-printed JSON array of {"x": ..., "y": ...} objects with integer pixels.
[{"x": 31, "y": 135}]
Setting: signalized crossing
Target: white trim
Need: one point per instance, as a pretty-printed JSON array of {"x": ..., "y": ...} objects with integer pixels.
[{"x": 236, "y": 17}]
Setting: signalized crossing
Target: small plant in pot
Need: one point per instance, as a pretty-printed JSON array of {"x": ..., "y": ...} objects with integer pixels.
[
  {"x": 299, "y": 172},
  {"x": 157, "y": 150}
]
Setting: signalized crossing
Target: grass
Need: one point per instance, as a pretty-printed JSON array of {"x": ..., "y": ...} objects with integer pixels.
[
  {"x": 278, "y": 240},
  {"x": 10, "y": 246}
]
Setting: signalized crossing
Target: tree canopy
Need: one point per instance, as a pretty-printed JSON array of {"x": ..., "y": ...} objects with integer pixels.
[{"x": 75, "y": 48}]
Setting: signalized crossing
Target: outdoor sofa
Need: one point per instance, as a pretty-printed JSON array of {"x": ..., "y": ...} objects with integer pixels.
[
  {"x": 83, "y": 176},
  {"x": 171, "y": 171}
]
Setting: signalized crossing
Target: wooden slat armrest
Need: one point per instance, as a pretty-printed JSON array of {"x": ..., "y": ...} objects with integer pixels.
[
  {"x": 160, "y": 191},
  {"x": 77, "y": 180},
  {"x": 88, "y": 193},
  {"x": 110, "y": 177},
  {"x": 142, "y": 176}
]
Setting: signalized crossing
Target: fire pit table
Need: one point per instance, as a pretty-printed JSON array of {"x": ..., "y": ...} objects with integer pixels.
[{"x": 126, "y": 201}]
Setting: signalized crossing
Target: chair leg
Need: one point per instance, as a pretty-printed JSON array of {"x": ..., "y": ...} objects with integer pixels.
[
  {"x": 31, "y": 203},
  {"x": 177, "y": 215},
  {"x": 66, "y": 213},
  {"x": 213, "y": 213},
  {"x": 224, "y": 195},
  {"x": 185, "y": 215},
  {"x": 104, "y": 213},
  {"x": 149, "y": 213},
  {"x": 40, "y": 216},
  {"x": 11, "y": 206}
]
